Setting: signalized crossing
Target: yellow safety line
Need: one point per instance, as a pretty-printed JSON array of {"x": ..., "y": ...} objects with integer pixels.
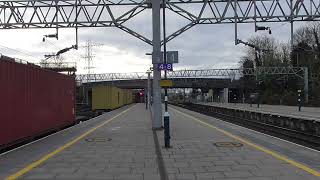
[
  {"x": 267, "y": 151},
  {"x": 55, "y": 152}
]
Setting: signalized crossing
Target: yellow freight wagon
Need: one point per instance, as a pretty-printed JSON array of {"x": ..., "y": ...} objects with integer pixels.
[
  {"x": 109, "y": 97},
  {"x": 129, "y": 97},
  {"x": 125, "y": 96}
]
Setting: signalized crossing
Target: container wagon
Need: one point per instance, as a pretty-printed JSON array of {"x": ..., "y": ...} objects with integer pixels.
[
  {"x": 106, "y": 98},
  {"x": 33, "y": 101}
]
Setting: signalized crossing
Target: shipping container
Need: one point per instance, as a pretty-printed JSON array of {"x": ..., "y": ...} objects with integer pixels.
[
  {"x": 107, "y": 98},
  {"x": 33, "y": 101}
]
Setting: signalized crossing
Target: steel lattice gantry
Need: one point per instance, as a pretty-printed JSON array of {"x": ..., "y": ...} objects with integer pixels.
[
  {"x": 205, "y": 73},
  {"x": 16, "y": 14},
  {"x": 23, "y": 14}
]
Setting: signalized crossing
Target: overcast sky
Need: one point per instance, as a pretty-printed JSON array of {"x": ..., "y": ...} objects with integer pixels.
[{"x": 201, "y": 47}]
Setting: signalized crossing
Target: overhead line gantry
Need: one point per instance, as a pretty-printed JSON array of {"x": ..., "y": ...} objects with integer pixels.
[{"x": 26, "y": 14}]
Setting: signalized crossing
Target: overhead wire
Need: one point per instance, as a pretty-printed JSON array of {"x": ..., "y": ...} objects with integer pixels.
[
  {"x": 52, "y": 44},
  {"x": 21, "y": 52}
]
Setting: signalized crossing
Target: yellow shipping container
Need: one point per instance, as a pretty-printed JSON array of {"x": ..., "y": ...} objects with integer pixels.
[
  {"x": 109, "y": 97},
  {"x": 129, "y": 97}
]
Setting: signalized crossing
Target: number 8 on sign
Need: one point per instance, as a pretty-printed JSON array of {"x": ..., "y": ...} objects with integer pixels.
[{"x": 169, "y": 67}]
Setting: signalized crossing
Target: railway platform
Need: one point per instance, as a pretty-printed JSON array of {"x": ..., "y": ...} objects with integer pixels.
[
  {"x": 121, "y": 145},
  {"x": 312, "y": 113}
]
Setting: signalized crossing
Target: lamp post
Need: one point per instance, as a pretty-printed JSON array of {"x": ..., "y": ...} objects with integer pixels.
[
  {"x": 148, "y": 103},
  {"x": 166, "y": 116},
  {"x": 259, "y": 93}
]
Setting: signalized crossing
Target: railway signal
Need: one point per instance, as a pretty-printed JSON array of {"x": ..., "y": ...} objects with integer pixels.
[{"x": 299, "y": 99}]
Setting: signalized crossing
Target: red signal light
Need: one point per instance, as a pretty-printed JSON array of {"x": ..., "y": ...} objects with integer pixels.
[{"x": 141, "y": 93}]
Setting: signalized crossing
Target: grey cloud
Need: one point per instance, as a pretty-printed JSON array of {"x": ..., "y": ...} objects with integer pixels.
[{"x": 200, "y": 47}]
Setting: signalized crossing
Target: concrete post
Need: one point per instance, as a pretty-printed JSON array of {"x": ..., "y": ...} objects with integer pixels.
[
  {"x": 156, "y": 53},
  {"x": 226, "y": 95}
]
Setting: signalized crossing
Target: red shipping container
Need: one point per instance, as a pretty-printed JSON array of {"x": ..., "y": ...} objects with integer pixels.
[{"x": 33, "y": 101}]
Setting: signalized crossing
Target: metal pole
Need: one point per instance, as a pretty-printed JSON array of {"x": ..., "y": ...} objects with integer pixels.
[
  {"x": 77, "y": 38},
  {"x": 146, "y": 96},
  {"x": 165, "y": 52},
  {"x": 149, "y": 90},
  {"x": 306, "y": 84},
  {"x": 57, "y": 20},
  {"x": 184, "y": 95},
  {"x": 255, "y": 16},
  {"x": 235, "y": 23},
  {"x": 291, "y": 23},
  {"x": 156, "y": 53},
  {"x": 166, "y": 116}
]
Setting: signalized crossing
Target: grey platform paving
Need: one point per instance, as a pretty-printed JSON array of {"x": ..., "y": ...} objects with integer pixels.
[
  {"x": 13, "y": 161},
  {"x": 125, "y": 149},
  {"x": 122, "y": 149},
  {"x": 312, "y": 113},
  {"x": 194, "y": 155}
]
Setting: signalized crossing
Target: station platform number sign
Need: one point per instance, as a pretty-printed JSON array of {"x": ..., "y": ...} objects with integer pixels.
[{"x": 165, "y": 66}]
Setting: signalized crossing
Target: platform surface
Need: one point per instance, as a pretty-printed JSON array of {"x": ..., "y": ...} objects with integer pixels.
[
  {"x": 121, "y": 145},
  {"x": 123, "y": 148},
  {"x": 194, "y": 154},
  {"x": 312, "y": 113}
]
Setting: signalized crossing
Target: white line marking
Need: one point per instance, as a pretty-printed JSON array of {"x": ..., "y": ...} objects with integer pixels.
[{"x": 115, "y": 128}]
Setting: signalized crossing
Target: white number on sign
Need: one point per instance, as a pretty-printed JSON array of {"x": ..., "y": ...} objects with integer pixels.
[{"x": 169, "y": 67}]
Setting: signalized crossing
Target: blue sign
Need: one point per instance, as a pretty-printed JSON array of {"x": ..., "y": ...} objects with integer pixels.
[{"x": 163, "y": 67}]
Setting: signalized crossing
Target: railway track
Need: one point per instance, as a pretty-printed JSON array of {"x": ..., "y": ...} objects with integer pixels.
[{"x": 296, "y": 136}]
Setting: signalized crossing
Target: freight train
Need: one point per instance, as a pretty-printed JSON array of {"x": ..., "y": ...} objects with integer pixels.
[
  {"x": 33, "y": 101},
  {"x": 106, "y": 98}
]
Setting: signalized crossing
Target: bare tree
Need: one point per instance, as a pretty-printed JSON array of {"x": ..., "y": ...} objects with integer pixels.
[
  {"x": 284, "y": 51},
  {"x": 266, "y": 53},
  {"x": 304, "y": 53},
  {"x": 306, "y": 50}
]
